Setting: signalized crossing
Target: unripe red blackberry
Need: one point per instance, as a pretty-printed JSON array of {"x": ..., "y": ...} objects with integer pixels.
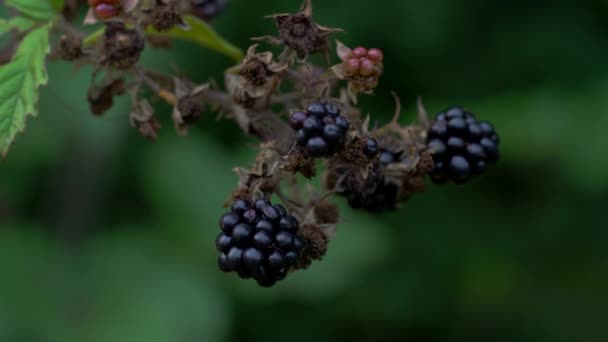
[
  {"x": 364, "y": 67},
  {"x": 320, "y": 130},
  {"x": 105, "y": 9},
  {"x": 461, "y": 146},
  {"x": 258, "y": 241}
]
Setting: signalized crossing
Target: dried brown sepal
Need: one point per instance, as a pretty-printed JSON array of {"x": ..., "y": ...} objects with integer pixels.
[
  {"x": 254, "y": 79},
  {"x": 300, "y": 33},
  {"x": 258, "y": 69},
  {"x": 101, "y": 99},
  {"x": 90, "y": 18},
  {"x": 235, "y": 86},
  {"x": 122, "y": 46},
  {"x": 70, "y": 48},
  {"x": 412, "y": 138},
  {"x": 165, "y": 16},
  {"x": 299, "y": 161},
  {"x": 318, "y": 227},
  {"x": 142, "y": 118},
  {"x": 255, "y": 72},
  {"x": 262, "y": 179},
  {"x": 189, "y": 106},
  {"x": 409, "y": 173},
  {"x": 315, "y": 246},
  {"x": 325, "y": 213}
]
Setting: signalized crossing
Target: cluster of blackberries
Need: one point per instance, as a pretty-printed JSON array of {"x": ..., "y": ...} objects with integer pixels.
[
  {"x": 208, "y": 9},
  {"x": 258, "y": 241},
  {"x": 320, "y": 130},
  {"x": 365, "y": 65},
  {"x": 461, "y": 146},
  {"x": 105, "y": 9}
]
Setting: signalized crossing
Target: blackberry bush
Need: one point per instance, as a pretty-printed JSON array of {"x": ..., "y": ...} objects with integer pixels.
[
  {"x": 258, "y": 241},
  {"x": 376, "y": 167},
  {"x": 461, "y": 146},
  {"x": 320, "y": 130}
]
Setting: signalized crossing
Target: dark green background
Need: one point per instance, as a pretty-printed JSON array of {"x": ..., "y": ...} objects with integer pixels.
[{"x": 106, "y": 237}]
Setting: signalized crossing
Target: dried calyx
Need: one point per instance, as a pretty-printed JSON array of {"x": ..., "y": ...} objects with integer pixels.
[
  {"x": 122, "y": 47},
  {"x": 300, "y": 34},
  {"x": 101, "y": 98}
]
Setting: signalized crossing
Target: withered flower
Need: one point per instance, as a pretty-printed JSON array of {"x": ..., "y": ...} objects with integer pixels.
[
  {"x": 300, "y": 34},
  {"x": 142, "y": 117},
  {"x": 165, "y": 15},
  {"x": 70, "y": 48},
  {"x": 254, "y": 78},
  {"x": 101, "y": 99},
  {"x": 189, "y": 106},
  {"x": 257, "y": 71},
  {"x": 122, "y": 47}
]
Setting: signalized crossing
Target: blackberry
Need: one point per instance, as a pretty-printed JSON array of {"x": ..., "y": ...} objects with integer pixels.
[
  {"x": 376, "y": 193},
  {"x": 371, "y": 148},
  {"x": 320, "y": 130},
  {"x": 258, "y": 241},
  {"x": 461, "y": 146},
  {"x": 105, "y": 9},
  {"x": 208, "y": 9},
  {"x": 364, "y": 67}
]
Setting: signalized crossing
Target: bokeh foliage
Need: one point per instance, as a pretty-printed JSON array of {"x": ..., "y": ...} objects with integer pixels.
[{"x": 106, "y": 237}]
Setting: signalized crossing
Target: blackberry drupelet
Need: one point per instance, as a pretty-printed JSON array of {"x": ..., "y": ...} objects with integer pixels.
[
  {"x": 258, "y": 241},
  {"x": 320, "y": 130},
  {"x": 461, "y": 146}
]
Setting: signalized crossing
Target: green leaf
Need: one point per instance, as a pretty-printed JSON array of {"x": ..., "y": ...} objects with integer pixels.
[
  {"x": 19, "y": 82},
  {"x": 203, "y": 34},
  {"x": 37, "y": 9},
  {"x": 19, "y": 23}
]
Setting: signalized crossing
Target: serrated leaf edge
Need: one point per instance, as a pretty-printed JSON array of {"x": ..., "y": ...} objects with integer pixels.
[{"x": 10, "y": 139}]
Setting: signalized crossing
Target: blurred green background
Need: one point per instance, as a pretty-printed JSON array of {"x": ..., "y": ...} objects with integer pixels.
[{"x": 107, "y": 237}]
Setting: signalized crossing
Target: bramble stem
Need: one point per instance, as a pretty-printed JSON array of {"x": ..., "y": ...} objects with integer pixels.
[{"x": 166, "y": 95}]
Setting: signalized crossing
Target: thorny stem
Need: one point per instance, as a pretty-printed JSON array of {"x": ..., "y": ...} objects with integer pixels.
[{"x": 261, "y": 123}]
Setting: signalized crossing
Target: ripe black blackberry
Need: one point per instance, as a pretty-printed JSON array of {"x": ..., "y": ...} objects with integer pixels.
[
  {"x": 258, "y": 241},
  {"x": 320, "y": 130},
  {"x": 376, "y": 193},
  {"x": 461, "y": 146},
  {"x": 208, "y": 9}
]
